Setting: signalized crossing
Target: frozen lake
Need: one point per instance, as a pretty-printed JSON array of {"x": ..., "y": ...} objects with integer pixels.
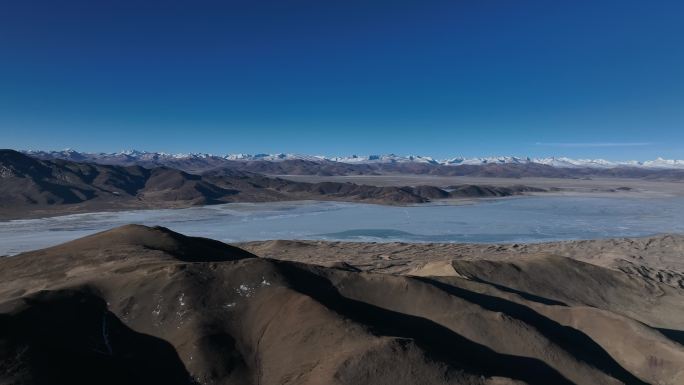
[{"x": 524, "y": 219}]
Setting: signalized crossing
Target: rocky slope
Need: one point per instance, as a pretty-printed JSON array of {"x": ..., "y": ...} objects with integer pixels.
[{"x": 141, "y": 305}]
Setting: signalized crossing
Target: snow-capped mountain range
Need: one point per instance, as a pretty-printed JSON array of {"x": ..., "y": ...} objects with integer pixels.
[{"x": 562, "y": 162}]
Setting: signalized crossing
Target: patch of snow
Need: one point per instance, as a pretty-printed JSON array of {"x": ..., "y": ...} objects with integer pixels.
[
  {"x": 157, "y": 309},
  {"x": 182, "y": 311},
  {"x": 244, "y": 291},
  {"x": 136, "y": 155}
]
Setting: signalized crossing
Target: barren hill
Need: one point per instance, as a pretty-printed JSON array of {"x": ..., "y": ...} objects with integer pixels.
[
  {"x": 31, "y": 187},
  {"x": 142, "y": 305}
]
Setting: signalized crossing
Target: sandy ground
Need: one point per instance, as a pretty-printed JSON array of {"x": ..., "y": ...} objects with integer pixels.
[{"x": 658, "y": 258}]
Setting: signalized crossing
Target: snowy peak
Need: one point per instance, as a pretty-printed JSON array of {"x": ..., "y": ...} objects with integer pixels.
[
  {"x": 560, "y": 162},
  {"x": 663, "y": 163},
  {"x": 389, "y": 158}
]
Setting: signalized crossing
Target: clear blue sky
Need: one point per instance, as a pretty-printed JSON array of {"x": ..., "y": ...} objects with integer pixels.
[{"x": 472, "y": 77}]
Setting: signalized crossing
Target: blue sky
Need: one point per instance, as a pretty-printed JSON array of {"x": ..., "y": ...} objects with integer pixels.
[{"x": 441, "y": 78}]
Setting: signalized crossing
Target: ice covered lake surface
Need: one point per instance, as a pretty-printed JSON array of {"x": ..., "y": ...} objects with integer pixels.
[{"x": 522, "y": 219}]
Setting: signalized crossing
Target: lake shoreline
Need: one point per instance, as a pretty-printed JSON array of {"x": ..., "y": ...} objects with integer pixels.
[{"x": 522, "y": 219}]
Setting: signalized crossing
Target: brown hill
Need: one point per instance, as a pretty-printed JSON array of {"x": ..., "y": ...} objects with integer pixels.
[
  {"x": 29, "y": 184},
  {"x": 324, "y": 167},
  {"x": 146, "y": 305},
  {"x": 464, "y": 191},
  {"x": 32, "y": 187}
]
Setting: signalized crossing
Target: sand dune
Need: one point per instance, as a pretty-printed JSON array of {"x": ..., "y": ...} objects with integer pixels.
[{"x": 147, "y": 305}]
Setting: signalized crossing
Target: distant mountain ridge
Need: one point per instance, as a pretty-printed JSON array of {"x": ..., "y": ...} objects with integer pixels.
[
  {"x": 137, "y": 157},
  {"x": 33, "y": 187}
]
